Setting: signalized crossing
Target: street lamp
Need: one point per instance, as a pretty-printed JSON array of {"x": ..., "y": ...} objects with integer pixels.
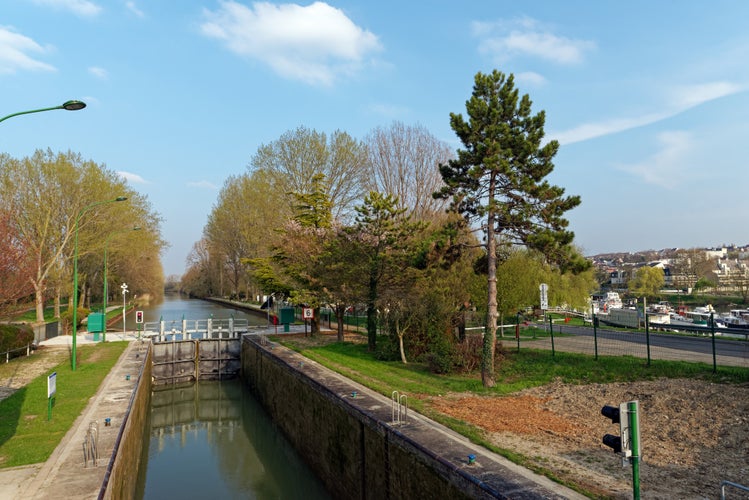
[
  {"x": 69, "y": 105},
  {"x": 75, "y": 269},
  {"x": 106, "y": 245}
]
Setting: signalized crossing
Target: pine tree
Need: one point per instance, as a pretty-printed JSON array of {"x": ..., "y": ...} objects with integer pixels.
[{"x": 498, "y": 180}]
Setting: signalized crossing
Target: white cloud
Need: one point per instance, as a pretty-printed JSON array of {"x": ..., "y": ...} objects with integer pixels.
[
  {"x": 83, "y": 8},
  {"x": 98, "y": 72},
  {"x": 315, "y": 44},
  {"x": 132, "y": 178},
  {"x": 688, "y": 96},
  {"x": 14, "y": 53},
  {"x": 680, "y": 98},
  {"x": 503, "y": 40},
  {"x": 203, "y": 185},
  {"x": 530, "y": 78},
  {"x": 667, "y": 167},
  {"x": 134, "y": 9}
]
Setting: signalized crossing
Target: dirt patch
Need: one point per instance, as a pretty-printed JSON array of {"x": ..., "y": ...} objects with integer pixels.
[
  {"x": 20, "y": 371},
  {"x": 694, "y": 434}
]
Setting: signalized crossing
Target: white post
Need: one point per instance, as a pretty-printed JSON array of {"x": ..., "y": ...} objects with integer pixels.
[{"x": 124, "y": 307}]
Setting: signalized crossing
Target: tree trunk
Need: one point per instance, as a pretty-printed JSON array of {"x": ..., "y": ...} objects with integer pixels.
[
  {"x": 490, "y": 335},
  {"x": 372, "y": 312},
  {"x": 340, "y": 312},
  {"x": 57, "y": 302},
  {"x": 39, "y": 301}
]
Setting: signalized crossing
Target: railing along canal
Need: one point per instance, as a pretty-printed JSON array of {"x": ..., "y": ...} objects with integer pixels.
[{"x": 167, "y": 331}]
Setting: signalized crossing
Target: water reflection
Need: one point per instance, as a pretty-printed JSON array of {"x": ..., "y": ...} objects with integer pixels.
[
  {"x": 213, "y": 440},
  {"x": 175, "y": 307}
]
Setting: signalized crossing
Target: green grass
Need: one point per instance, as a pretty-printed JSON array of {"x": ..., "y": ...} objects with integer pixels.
[
  {"x": 515, "y": 370},
  {"x": 26, "y": 436},
  {"x": 29, "y": 316}
]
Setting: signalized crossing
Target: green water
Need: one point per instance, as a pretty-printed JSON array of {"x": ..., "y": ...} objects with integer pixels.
[{"x": 213, "y": 440}]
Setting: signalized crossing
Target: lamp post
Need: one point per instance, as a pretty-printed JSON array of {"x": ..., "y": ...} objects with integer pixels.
[
  {"x": 75, "y": 270},
  {"x": 106, "y": 245},
  {"x": 69, "y": 105}
]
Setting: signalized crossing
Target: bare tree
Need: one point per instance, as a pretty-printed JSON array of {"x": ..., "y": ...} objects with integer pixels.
[
  {"x": 404, "y": 163},
  {"x": 298, "y": 156}
]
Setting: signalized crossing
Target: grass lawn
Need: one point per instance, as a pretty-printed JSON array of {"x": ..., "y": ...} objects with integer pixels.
[
  {"x": 26, "y": 435},
  {"x": 515, "y": 371}
]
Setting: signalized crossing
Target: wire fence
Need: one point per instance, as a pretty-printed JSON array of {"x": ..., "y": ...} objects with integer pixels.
[{"x": 714, "y": 348}]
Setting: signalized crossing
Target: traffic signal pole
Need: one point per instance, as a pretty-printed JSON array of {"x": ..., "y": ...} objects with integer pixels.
[
  {"x": 627, "y": 443},
  {"x": 634, "y": 421}
]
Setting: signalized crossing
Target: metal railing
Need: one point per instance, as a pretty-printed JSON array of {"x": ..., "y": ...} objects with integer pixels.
[
  {"x": 164, "y": 331},
  {"x": 7, "y": 354}
]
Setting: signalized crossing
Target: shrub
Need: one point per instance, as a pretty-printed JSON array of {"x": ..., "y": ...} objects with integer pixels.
[
  {"x": 66, "y": 319},
  {"x": 467, "y": 355},
  {"x": 15, "y": 336}
]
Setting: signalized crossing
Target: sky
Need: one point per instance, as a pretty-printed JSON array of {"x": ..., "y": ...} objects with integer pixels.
[{"x": 648, "y": 99}]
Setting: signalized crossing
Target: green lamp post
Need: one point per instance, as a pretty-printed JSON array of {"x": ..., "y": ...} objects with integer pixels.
[
  {"x": 106, "y": 245},
  {"x": 75, "y": 270},
  {"x": 69, "y": 105}
]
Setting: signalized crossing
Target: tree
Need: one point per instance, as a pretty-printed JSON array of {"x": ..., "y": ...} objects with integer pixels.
[
  {"x": 382, "y": 232},
  {"x": 647, "y": 282},
  {"x": 402, "y": 163},
  {"x": 16, "y": 266},
  {"x": 53, "y": 197},
  {"x": 499, "y": 180},
  {"x": 299, "y": 155}
]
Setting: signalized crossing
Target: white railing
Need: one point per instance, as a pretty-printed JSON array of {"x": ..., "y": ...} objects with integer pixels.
[{"x": 162, "y": 331}]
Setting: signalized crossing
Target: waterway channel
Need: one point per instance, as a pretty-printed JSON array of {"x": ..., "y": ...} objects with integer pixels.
[{"x": 213, "y": 439}]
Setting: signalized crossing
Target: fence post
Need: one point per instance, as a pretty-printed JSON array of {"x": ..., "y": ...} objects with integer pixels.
[
  {"x": 647, "y": 327},
  {"x": 595, "y": 330},
  {"x": 712, "y": 332},
  {"x": 551, "y": 331}
]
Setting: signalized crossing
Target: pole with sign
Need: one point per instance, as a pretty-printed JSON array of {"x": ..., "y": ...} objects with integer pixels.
[
  {"x": 307, "y": 313},
  {"x": 51, "y": 391},
  {"x": 139, "y": 321}
]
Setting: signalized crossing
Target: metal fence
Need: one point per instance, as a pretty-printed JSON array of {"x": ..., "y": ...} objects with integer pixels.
[
  {"x": 15, "y": 353},
  {"x": 715, "y": 348}
]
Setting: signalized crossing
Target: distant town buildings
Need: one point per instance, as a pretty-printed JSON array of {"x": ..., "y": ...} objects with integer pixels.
[{"x": 724, "y": 268}]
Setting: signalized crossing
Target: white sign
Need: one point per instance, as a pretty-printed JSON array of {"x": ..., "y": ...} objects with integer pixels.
[
  {"x": 308, "y": 313},
  {"x": 52, "y": 385},
  {"x": 544, "y": 288}
]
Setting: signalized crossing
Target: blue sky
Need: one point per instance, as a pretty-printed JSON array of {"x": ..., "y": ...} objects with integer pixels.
[{"x": 648, "y": 98}]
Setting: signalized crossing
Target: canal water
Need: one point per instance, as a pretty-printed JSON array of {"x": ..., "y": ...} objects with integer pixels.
[{"x": 213, "y": 439}]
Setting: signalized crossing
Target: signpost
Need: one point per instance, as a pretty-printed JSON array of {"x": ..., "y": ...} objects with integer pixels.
[
  {"x": 124, "y": 307},
  {"x": 307, "y": 313},
  {"x": 51, "y": 391},
  {"x": 544, "y": 289},
  {"x": 139, "y": 321}
]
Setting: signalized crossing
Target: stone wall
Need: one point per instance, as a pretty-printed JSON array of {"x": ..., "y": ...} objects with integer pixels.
[
  {"x": 353, "y": 451},
  {"x": 121, "y": 477}
]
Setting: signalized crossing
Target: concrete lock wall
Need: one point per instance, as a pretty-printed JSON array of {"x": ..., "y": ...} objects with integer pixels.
[
  {"x": 356, "y": 455},
  {"x": 121, "y": 477}
]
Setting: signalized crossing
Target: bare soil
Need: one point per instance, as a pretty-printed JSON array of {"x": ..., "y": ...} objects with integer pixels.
[
  {"x": 694, "y": 434},
  {"x": 20, "y": 371}
]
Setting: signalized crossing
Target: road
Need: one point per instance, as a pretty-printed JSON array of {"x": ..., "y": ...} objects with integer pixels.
[{"x": 728, "y": 351}]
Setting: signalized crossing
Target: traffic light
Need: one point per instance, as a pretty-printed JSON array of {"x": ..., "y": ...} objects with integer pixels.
[
  {"x": 139, "y": 316},
  {"x": 622, "y": 443}
]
